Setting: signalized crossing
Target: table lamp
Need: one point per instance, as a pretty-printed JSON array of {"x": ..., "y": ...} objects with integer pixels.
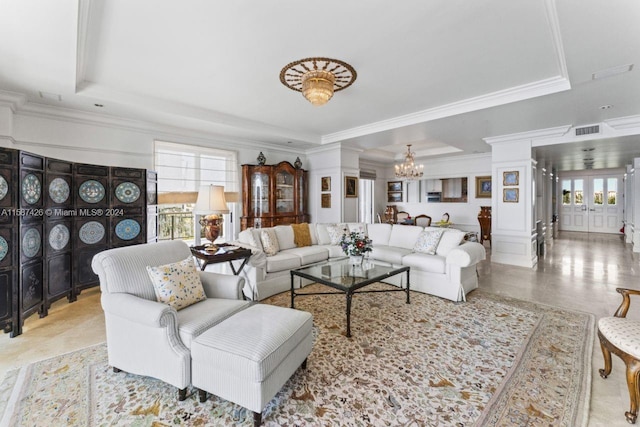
[{"x": 211, "y": 204}]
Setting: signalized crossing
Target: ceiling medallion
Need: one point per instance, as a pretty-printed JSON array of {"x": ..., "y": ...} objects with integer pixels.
[{"x": 318, "y": 78}]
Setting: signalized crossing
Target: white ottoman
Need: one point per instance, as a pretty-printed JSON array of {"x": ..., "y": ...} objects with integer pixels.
[{"x": 248, "y": 357}]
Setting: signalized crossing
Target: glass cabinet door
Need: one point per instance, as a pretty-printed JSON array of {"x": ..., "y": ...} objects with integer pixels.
[
  {"x": 259, "y": 193},
  {"x": 284, "y": 192}
]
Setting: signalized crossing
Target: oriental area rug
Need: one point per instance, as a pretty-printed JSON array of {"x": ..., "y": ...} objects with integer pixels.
[{"x": 491, "y": 361}]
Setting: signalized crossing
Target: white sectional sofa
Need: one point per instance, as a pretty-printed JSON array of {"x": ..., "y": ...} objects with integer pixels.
[{"x": 449, "y": 273}]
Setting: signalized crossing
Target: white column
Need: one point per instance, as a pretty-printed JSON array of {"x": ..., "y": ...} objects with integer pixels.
[
  {"x": 629, "y": 197},
  {"x": 635, "y": 202},
  {"x": 513, "y": 234}
]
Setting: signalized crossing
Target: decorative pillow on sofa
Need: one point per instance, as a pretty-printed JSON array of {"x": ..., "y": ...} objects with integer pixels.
[
  {"x": 336, "y": 232},
  {"x": 301, "y": 234},
  {"x": 269, "y": 241},
  {"x": 177, "y": 284},
  {"x": 428, "y": 241},
  {"x": 451, "y": 239}
]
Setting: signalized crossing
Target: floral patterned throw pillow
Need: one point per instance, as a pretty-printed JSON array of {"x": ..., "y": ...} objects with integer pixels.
[
  {"x": 428, "y": 241},
  {"x": 269, "y": 241},
  {"x": 336, "y": 232},
  {"x": 177, "y": 284}
]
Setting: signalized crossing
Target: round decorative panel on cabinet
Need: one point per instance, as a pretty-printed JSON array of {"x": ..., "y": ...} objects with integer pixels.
[
  {"x": 31, "y": 188},
  {"x": 91, "y": 232},
  {"x": 91, "y": 191},
  {"x": 127, "y": 192},
  {"x": 127, "y": 229},
  {"x": 59, "y": 190}
]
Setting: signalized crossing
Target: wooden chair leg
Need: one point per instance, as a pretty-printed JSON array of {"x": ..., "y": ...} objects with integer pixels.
[
  {"x": 304, "y": 363},
  {"x": 606, "y": 355},
  {"x": 633, "y": 372},
  {"x": 257, "y": 419},
  {"x": 202, "y": 395},
  {"x": 182, "y": 394}
]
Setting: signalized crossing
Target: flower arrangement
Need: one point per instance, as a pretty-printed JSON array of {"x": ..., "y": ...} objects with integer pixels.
[{"x": 355, "y": 243}]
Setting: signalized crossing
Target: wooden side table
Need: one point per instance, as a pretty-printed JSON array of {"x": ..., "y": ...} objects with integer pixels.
[{"x": 205, "y": 257}]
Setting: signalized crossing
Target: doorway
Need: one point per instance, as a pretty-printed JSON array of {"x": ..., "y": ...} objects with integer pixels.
[{"x": 591, "y": 203}]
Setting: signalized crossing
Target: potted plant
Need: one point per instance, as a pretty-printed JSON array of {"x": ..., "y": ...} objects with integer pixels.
[{"x": 355, "y": 245}]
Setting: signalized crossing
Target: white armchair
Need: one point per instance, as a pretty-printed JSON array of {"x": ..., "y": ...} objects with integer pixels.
[{"x": 146, "y": 337}]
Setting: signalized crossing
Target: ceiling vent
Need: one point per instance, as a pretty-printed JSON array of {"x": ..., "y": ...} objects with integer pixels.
[{"x": 587, "y": 130}]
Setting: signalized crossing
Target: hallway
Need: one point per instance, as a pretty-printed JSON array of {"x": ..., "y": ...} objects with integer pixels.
[{"x": 580, "y": 271}]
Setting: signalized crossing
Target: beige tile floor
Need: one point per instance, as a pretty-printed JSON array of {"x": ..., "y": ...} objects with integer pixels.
[{"x": 579, "y": 271}]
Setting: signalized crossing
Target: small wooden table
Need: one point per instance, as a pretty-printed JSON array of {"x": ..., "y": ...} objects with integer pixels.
[{"x": 205, "y": 257}]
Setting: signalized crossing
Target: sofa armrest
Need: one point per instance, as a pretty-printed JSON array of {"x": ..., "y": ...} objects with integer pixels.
[
  {"x": 221, "y": 285},
  {"x": 138, "y": 310},
  {"x": 467, "y": 254}
]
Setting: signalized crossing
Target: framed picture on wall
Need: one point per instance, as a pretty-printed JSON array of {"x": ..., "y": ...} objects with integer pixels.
[
  {"x": 483, "y": 187},
  {"x": 510, "y": 195},
  {"x": 394, "y": 186},
  {"x": 510, "y": 178},
  {"x": 394, "y": 196},
  {"x": 325, "y": 201},
  {"x": 325, "y": 183},
  {"x": 350, "y": 186}
]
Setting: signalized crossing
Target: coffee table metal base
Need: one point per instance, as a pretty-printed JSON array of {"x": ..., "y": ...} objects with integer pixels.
[{"x": 348, "y": 293}]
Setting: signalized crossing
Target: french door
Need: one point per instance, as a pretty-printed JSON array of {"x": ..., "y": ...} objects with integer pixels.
[{"x": 591, "y": 203}]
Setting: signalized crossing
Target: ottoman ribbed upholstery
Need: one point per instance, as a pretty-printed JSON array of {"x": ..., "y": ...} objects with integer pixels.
[{"x": 248, "y": 357}]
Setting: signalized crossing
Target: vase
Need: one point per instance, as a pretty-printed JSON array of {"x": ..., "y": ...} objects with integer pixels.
[{"x": 356, "y": 259}]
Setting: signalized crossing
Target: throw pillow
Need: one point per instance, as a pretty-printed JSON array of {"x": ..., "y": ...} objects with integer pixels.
[
  {"x": 301, "y": 234},
  {"x": 177, "y": 284},
  {"x": 450, "y": 240},
  {"x": 336, "y": 232},
  {"x": 428, "y": 241},
  {"x": 269, "y": 241}
]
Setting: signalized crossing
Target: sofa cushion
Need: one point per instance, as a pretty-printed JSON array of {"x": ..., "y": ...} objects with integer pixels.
[
  {"x": 323, "y": 234},
  {"x": 197, "y": 318},
  {"x": 269, "y": 241},
  {"x": 335, "y": 251},
  {"x": 425, "y": 262},
  {"x": 336, "y": 232},
  {"x": 392, "y": 254},
  {"x": 177, "y": 284},
  {"x": 379, "y": 233},
  {"x": 309, "y": 254},
  {"x": 285, "y": 236},
  {"x": 301, "y": 234},
  {"x": 282, "y": 261},
  {"x": 404, "y": 236},
  {"x": 428, "y": 241},
  {"x": 313, "y": 231},
  {"x": 250, "y": 237},
  {"x": 451, "y": 239}
]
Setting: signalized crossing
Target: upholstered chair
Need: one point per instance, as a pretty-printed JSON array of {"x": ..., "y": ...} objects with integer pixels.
[
  {"x": 422, "y": 220},
  {"x": 401, "y": 216},
  {"x": 621, "y": 336},
  {"x": 151, "y": 338}
]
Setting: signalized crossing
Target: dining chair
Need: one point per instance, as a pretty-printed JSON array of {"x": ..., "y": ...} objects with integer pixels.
[
  {"x": 423, "y": 220},
  {"x": 401, "y": 216}
]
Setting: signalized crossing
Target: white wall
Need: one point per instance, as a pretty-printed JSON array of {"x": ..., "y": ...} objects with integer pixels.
[{"x": 463, "y": 215}]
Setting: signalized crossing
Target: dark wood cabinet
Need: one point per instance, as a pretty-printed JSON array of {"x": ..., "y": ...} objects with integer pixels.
[{"x": 273, "y": 195}]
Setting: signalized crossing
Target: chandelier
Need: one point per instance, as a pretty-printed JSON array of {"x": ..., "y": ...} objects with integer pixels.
[
  {"x": 409, "y": 170},
  {"x": 318, "y": 78}
]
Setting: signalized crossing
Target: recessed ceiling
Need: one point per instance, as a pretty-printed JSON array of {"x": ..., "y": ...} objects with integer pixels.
[{"x": 439, "y": 75}]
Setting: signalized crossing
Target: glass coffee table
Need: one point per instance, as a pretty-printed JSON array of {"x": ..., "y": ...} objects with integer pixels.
[{"x": 347, "y": 279}]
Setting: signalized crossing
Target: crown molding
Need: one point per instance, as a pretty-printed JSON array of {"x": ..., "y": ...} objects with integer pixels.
[
  {"x": 554, "y": 132},
  {"x": 13, "y": 100},
  {"x": 625, "y": 123},
  {"x": 506, "y": 96},
  {"x": 554, "y": 26},
  {"x": 82, "y": 43}
]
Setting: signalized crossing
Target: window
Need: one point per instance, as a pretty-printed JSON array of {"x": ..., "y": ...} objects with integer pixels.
[
  {"x": 566, "y": 191},
  {"x": 182, "y": 169},
  {"x": 598, "y": 191},
  {"x": 612, "y": 191},
  {"x": 578, "y": 191}
]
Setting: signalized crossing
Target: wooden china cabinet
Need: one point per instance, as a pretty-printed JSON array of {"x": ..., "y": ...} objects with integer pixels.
[{"x": 273, "y": 195}]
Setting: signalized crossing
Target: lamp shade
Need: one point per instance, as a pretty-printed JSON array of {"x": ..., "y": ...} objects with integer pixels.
[{"x": 211, "y": 200}]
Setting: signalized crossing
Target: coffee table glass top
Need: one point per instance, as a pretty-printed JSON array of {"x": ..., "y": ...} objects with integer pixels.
[{"x": 342, "y": 274}]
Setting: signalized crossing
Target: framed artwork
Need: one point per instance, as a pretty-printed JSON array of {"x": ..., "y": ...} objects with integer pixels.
[
  {"x": 394, "y": 197},
  {"x": 394, "y": 186},
  {"x": 483, "y": 187},
  {"x": 325, "y": 183},
  {"x": 510, "y": 178},
  {"x": 325, "y": 200},
  {"x": 510, "y": 195},
  {"x": 350, "y": 186}
]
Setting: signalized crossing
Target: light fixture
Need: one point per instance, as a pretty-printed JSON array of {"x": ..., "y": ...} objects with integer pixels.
[
  {"x": 211, "y": 204},
  {"x": 318, "y": 78},
  {"x": 409, "y": 170}
]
